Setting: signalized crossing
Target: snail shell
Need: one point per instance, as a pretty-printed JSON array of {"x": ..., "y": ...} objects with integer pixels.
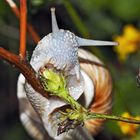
[
  {"x": 101, "y": 101},
  {"x": 60, "y": 48}
]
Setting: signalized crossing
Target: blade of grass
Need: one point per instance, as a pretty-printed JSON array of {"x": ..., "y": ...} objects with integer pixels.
[{"x": 76, "y": 19}]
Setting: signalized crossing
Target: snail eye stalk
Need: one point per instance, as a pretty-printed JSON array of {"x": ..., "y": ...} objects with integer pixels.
[
  {"x": 55, "y": 28},
  {"x": 89, "y": 42}
]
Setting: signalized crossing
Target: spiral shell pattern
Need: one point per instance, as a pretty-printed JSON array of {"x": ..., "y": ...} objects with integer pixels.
[{"x": 102, "y": 100}]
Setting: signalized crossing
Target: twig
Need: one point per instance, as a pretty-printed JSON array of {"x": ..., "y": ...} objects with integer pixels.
[
  {"x": 30, "y": 28},
  {"x": 25, "y": 68},
  {"x": 33, "y": 34},
  {"x": 22, "y": 49},
  {"x": 13, "y": 7}
]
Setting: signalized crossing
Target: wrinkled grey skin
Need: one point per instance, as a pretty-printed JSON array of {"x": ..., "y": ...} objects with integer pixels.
[{"x": 59, "y": 49}]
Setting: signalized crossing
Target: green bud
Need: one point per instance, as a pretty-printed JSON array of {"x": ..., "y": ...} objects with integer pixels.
[{"x": 53, "y": 82}]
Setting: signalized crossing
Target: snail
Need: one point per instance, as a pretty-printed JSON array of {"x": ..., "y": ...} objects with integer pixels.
[{"x": 88, "y": 83}]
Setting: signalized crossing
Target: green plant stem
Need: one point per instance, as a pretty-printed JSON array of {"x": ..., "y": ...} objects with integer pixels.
[
  {"x": 56, "y": 85},
  {"x": 91, "y": 115},
  {"x": 66, "y": 97}
]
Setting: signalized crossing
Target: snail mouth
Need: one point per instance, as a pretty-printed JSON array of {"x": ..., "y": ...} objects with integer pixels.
[{"x": 51, "y": 67}]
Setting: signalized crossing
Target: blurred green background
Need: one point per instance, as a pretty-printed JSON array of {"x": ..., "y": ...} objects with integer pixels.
[{"x": 96, "y": 19}]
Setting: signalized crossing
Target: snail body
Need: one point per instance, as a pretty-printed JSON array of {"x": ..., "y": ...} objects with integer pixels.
[{"x": 60, "y": 50}]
